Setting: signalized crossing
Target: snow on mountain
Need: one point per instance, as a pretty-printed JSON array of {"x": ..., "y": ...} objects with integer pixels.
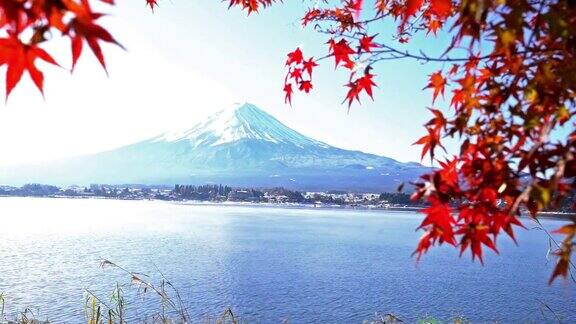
[
  {"x": 241, "y": 145},
  {"x": 240, "y": 122}
]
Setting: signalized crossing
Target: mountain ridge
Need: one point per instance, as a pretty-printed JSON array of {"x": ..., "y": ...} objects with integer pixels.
[{"x": 242, "y": 145}]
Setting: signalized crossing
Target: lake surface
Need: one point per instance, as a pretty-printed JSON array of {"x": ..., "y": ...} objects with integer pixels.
[{"x": 268, "y": 264}]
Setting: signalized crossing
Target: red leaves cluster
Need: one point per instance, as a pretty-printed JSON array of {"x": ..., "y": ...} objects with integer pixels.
[
  {"x": 434, "y": 127},
  {"x": 506, "y": 105},
  {"x": 363, "y": 83},
  {"x": 477, "y": 215},
  {"x": 438, "y": 83},
  {"x": 427, "y": 14},
  {"x": 343, "y": 55},
  {"x": 299, "y": 73},
  {"x": 74, "y": 19},
  {"x": 341, "y": 51},
  {"x": 354, "y": 51},
  {"x": 367, "y": 43},
  {"x": 346, "y": 15},
  {"x": 249, "y": 5},
  {"x": 505, "y": 102},
  {"x": 565, "y": 251},
  {"x": 438, "y": 224}
]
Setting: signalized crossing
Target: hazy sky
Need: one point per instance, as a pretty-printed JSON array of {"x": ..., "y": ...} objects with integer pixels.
[{"x": 192, "y": 58}]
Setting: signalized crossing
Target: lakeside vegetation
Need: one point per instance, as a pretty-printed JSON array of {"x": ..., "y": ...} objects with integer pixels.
[{"x": 218, "y": 193}]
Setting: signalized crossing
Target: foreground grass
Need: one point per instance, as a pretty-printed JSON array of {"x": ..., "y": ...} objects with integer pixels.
[
  {"x": 171, "y": 309},
  {"x": 114, "y": 312}
]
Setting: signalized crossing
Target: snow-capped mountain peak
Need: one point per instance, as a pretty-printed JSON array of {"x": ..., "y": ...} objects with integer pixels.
[
  {"x": 238, "y": 146},
  {"x": 240, "y": 122}
]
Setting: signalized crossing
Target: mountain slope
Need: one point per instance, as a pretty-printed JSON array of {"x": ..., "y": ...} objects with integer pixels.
[{"x": 242, "y": 145}]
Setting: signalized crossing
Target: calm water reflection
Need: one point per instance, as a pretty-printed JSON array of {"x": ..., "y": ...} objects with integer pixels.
[{"x": 268, "y": 264}]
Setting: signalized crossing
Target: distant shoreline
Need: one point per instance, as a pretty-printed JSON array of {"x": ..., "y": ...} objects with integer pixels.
[
  {"x": 548, "y": 215},
  {"x": 555, "y": 215},
  {"x": 239, "y": 203},
  {"x": 551, "y": 215},
  {"x": 294, "y": 206}
]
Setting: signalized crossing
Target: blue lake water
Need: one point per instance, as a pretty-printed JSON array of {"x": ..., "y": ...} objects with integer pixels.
[{"x": 268, "y": 264}]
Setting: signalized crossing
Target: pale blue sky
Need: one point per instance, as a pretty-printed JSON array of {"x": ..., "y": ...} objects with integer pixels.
[{"x": 192, "y": 58}]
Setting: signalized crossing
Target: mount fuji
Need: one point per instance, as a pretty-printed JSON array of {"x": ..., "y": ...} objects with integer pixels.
[{"x": 240, "y": 146}]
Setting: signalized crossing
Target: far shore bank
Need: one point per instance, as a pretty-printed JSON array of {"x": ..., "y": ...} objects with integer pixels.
[
  {"x": 548, "y": 214},
  {"x": 554, "y": 215},
  {"x": 295, "y": 206}
]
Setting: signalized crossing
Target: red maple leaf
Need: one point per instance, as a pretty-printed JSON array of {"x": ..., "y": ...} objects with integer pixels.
[
  {"x": 433, "y": 26},
  {"x": 341, "y": 51},
  {"x": 310, "y": 15},
  {"x": 437, "y": 82},
  {"x": 249, "y": 5},
  {"x": 83, "y": 27},
  {"x": 474, "y": 236},
  {"x": 152, "y": 4},
  {"x": 404, "y": 40},
  {"x": 565, "y": 251},
  {"x": 21, "y": 57},
  {"x": 14, "y": 14},
  {"x": 562, "y": 266},
  {"x": 454, "y": 69},
  {"x": 295, "y": 57},
  {"x": 449, "y": 171},
  {"x": 296, "y": 74},
  {"x": 380, "y": 6},
  {"x": 305, "y": 86},
  {"x": 367, "y": 43},
  {"x": 356, "y": 7},
  {"x": 439, "y": 216},
  {"x": 353, "y": 93},
  {"x": 441, "y": 8},
  {"x": 309, "y": 65},
  {"x": 412, "y": 7},
  {"x": 504, "y": 221},
  {"x": 365, "y": 83},
  {"x": 430, "y": 141},
  {"x": 438, "y": 224},
  {"x": 288, "y": 93}
]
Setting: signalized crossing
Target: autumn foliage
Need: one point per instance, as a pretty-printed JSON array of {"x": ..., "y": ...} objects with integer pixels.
[
  {"x": 508, "y": 79},
  {"x": 511, "y": 71},
  {"x": 27, "y": 24}
]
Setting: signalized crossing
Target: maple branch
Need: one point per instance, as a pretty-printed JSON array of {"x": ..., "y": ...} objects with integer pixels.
[
  {"x": 551, "y": 238},
  {"x": 536, "y": 23},
  {"x": 375, "y": 18},
  {"x": 357, "y": 23},
  {"x": 398, "y": 54}
]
